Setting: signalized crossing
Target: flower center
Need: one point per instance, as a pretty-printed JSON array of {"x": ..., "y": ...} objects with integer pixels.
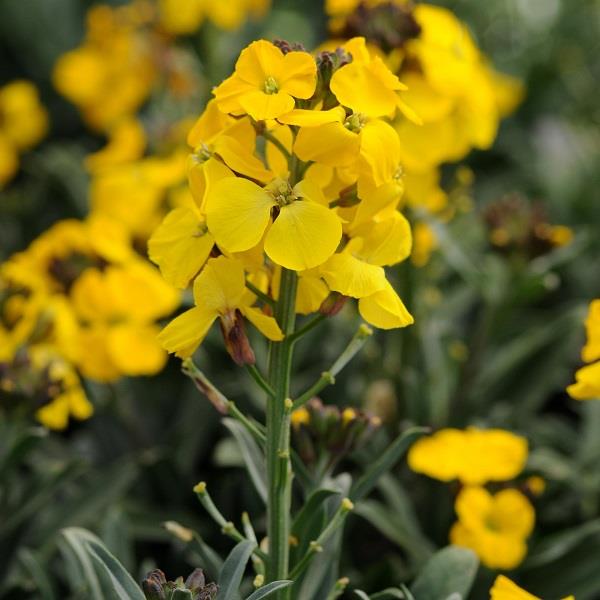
[
  {"x": 282, "y": 192},
  {"x": 270, "y": 86},
  {"x": 355, "y": 122},
  {"x": 202, "y": 230},
  {"x": 399, "y": 173},
  {"x": 201, "y": 154}
]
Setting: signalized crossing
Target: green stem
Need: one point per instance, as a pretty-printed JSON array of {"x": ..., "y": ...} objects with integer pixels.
[
  {"x": 227, "y": 527},
  {"x": 269, "y": 137},
  {"x": 266, "y": 299},
  {"x": 260, "y": 380},
  {"x": 307, "y": 327},
  {"x": 328, "y": 377},
  {"x": 278, "y": 438},
  {"x": 317, "y": 546}
]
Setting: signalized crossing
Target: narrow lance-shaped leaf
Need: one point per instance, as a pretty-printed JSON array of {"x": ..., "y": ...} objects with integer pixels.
[
  {"x": 385, "y": 462},
  {"x": 270, "y": 588},
  {"x": 233, "y": 570}
]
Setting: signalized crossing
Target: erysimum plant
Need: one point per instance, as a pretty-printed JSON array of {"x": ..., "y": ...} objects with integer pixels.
[{"x": 296, "y": 185}]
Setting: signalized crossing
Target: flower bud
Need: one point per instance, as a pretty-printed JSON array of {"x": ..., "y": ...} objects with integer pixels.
[{"x": 236, "y": 341}]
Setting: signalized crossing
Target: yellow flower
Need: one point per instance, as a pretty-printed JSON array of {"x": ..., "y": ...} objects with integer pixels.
[
  {"x": 304, "y": 233},
  {"x": 181, "y": 245},
  {"x": 495, "y": 527},
  {"x": 9, "y": 160},
  {"x": 219, "y": 292},
  {"x": 113, "y": 71},
  {"x": 185, "y": 17},
  {"x": 126, "y": 143},
  {"x": 118, "y": 307},
  {"x": 591, "y": 350},
  {"x": 23, "y": 120},
  {"x": 505, "y": 589},
  {"x": 70, "y": 400},
  {"x": 587, "y": 385},
  {"x": 367, "y": 86},
  {"x": 266, "y": 81},
  {"x": 473, "y": 456},
  {"x": 221, "y": 144}
]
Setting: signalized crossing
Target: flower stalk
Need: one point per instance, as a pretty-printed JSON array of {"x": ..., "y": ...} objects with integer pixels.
[{"x": 279, "y": 471}]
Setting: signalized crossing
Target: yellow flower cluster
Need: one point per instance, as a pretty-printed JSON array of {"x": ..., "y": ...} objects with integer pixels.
[
  {"x": 63, "y": 304},
  {"x": 23, "y": 123},
  {"x": 459, "y": 97},
  {"x": 473, "y": 456},
  {"x": 295, "y": 166},
  {"x": 587, "y": 385},
  {"x": 495, "y": 526},
  {"x": 182, "y": 17},
  {"x": 127, "y": 53},
  {"x": 505, "y": 589},
  {"x": 112, "y": 72}
]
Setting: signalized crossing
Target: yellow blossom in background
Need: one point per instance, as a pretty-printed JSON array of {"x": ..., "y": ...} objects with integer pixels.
[
  {"x": 494, "y": 526},
  {"x": 587, "y": 384},
  {"x": 186, "y": 16},
  {"x": 505, "y": 589},
  {"x": 23, "y": 124},
  {"x": 112, "y": 73},
  {"x": 473, "y": 456}
]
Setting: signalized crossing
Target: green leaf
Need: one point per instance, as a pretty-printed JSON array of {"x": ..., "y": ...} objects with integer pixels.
[
  {"x": 36, "y": 570},
  {"x": 556, "y": 546},
  {"x": 450, "y": 572},
  {"x": 233, "y": 570},
  {"x": 102, "y": 572},
  {"x": 385, "y": 462},
  {"x": 124, "y": 585},
  {"x": 253, "y": 457},
  {"x": 309, "y": 521},
  {"x": 362, "y": 595},
  {"x": 270, "y": 588},
  {"x": 389, "y": 593},
  {"x": 81, "y": 570}
]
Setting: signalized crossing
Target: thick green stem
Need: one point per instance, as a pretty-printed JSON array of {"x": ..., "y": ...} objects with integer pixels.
[{"x": 278, "y": 440}]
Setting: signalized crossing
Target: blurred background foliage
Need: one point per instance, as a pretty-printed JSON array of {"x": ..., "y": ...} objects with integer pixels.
[{"x": 496, "y": 340}]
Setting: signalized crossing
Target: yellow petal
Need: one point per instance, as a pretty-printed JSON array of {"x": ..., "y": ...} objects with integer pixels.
[
  {"x": 266, "y": 325},
  {"x": 237, "y": 212},
  {"x": 303, "y": 236},
  {"x": 185, "y": 333},
  {"x": 228, "y": 94},
  {"x": 385, "y": 310},
  {"x": 312, "y": 290},
  {"x": 361, "y": 87},
  {"x": 180, "y": 246},
  {"x": 505, "y": 589},
  {"x": 386, "y": 242},
  {"x": 258, "y": 61},
  {"x": 221, "y": 285},
  {"x": 587, "y": 386},
  {"x": 351, "y": 276},
  {"x": 297, "y": 74},
  {"x": 201, "y": 175},
  {"x": 312, "y": 118},
  {"x": 135, "y": 349},
  {"x": 512, "y": 513},
  {"x": 331, "y": 144},
  {"x": 240, "y": 159},
  {"x": 261, "y": 106},
  {"x": 379, "y": 151}
]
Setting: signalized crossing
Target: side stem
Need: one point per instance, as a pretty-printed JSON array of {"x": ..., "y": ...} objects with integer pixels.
[{"x": 279, "y": 470}]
